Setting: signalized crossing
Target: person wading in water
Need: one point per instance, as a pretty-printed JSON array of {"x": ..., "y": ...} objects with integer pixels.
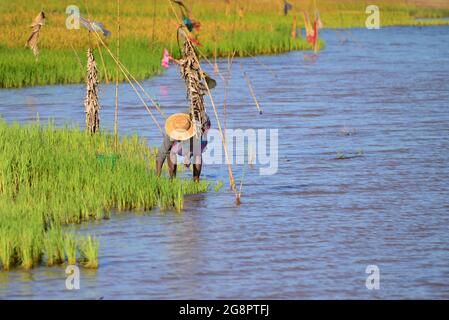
[{"x": 182, "y": 139}]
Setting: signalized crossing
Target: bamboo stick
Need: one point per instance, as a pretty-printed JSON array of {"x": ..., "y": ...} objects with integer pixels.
[
  {"x": 216, "y": 69},
  {"x": 262, "y": 64},
  {"x": 131, "y": 83},
  {"x": 239, "y": 194},
  {"x": 126, "y": 72},
  {"x": 117, "y": 77},
  {"x": 294, "y": 27},
  {"x": 154, "y": 20},
  {"x": 103, "y": 64},
  {"x": 77, "y": 57},
  {"x": 251, "y": 90},
  {"x": 225, "y": 97}
]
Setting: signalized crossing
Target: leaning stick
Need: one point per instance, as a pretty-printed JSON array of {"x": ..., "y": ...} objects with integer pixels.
[
  {"x": 248, "y": 82},
  {"x": 239, "y": 194},
  {"x": 262, "y": 64},
  {"x": 154, "y": 20},
  {"x": 77, "y": 56},
  {"x": 104, "y": 65},
  {"x": 116, "y": 77},
  {"x": 225, "y": 94},
  {"x": 131, "y": 83},
  {"x": 231, "y": 177},
  {"x": 122, "y": 67},
  {"x": 98, "y": 45}
]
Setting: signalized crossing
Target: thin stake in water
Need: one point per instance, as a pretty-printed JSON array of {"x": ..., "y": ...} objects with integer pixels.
[{"x": 251, "y": 90}]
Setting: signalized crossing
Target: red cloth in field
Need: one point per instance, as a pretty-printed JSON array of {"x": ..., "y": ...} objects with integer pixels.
[{"x": 313, "y": 37}]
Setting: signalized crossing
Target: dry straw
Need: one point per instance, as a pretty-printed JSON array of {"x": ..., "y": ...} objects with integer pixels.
[
  {"x": 36, "y": 26},
  {"x": 91, "y": 105}
]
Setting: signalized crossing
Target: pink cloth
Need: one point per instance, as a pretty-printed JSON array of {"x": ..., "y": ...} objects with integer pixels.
[{"x": 166, "y": 59}]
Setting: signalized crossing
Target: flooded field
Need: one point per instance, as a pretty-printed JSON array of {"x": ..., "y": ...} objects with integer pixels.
[{"x": 311, "y": 230}]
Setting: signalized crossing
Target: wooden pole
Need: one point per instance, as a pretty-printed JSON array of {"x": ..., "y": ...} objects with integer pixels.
[
  {"x": 154, "y": 20},
  {"x": 225, "y": 97},
  {"x": 294, "y": 35},
  {"x": 251, "y": 90},
  {"x": 91, "y": 105},
  {"x": 262, "y": 64},
  {"x": 117, "y": 77},
  {"x": 77, "y": 57},
  {"x": 104, "y": 65}
]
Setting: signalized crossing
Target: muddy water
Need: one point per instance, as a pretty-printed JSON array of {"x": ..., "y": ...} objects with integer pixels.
[{"x": 311, "y": 230}]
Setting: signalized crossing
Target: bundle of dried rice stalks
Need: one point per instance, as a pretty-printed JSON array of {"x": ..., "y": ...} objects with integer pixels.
[
  {"x": 191, "y": 73},
  {"x": 91, "y": 106},
  {"x": 36, "y": 26}
]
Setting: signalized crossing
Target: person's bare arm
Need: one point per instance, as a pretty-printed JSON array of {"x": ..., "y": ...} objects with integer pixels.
[{"x": 178, "y": 62}]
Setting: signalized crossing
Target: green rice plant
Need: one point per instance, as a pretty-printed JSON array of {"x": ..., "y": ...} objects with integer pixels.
[
  {"x": 70, "y": 248},
  {"x": 89, "y": 248},
  {"x": 29, "y": 254},
  {"x": 218, "y": 185},
  {"x": 179, "y": 201},
  {"x": 54, "y": 246},
  {"x": 6, "y": 250},
  {"x": 51, "y": 177},
  {"x": 29, "y": 236}
]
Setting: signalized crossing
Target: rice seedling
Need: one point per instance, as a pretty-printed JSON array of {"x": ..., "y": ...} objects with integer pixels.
[
  {"x": 54, "y": 246},
  {"x": 89, "y": 248},
  {"x": 218, "y": 185},
  {"x": 29, "y": 251},
  {"x": 6, "y": 249},
  {"x": 51, "y": 177},
  {"x": 70, "y": 248},
  {"x": 262, "y": 29},
  {"x": 178, "y": 201},
  {"x": 341, "y": 156}
]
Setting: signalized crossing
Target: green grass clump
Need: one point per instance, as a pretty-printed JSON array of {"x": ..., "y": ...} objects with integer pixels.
[
  {"x": 89, "y": 248},
  {"x": 52, "y": 177},
  {"x": 69, "y": 244},
  {"x": 218, "y": 185},
  {"x": 54, "y": 246}
]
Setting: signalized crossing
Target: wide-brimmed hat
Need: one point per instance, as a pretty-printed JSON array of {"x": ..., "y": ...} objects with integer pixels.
[{"x": 179, "y": 127}]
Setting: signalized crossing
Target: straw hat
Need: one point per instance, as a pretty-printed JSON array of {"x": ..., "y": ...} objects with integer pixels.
[{"x": 179, "y": 127}]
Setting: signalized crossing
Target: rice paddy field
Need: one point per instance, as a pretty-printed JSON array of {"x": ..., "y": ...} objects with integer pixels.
[
  {"x": 362, "y": 163},
  {"x": 361, "y": 180},
  {"x": 241, "y": 27},
  {"x": 53, "y": 177}
]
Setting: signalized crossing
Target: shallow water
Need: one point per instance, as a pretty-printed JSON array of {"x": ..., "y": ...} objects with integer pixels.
[{"x": 311, "y": 230}]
